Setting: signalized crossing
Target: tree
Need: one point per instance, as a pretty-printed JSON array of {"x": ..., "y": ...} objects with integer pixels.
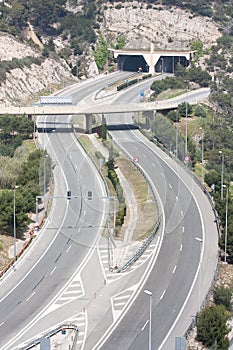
[
  {"x": 211, "y": 327},
  {"x": 200, "y": 111},
  {"x": 173, "y": 116},
  {"x": 101, "y": 53},
  {"x": 184, "y": 108},
  {"x": 222, "y": 296}
]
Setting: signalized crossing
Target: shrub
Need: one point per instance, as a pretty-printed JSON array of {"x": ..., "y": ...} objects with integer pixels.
[{"x": 222, "y": 296}]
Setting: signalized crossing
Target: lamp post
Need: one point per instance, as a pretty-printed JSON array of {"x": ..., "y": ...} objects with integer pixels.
[
  {"x": 226, "y": 224},
  {"x": 176, "y": 136},
  {"x": 202, "y": 155},
  {"x": 199, "y": 283},
  {"x": 15, "y": 253},
  {"x": 222, "y": 174},
  {"x": 150, "y": 295},
  {"x": 186, "y": 128}
]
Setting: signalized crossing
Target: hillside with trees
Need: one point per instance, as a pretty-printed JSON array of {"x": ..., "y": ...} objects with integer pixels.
[{"x": 58, "y": 40}]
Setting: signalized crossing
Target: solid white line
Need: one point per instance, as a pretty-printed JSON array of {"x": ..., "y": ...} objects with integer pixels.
[
  {"x": 68, "y": 248},
  {"x": 121, "y": 297},
  {"x": 146, "y": 323},
  {"x": 174, "y": 270},
  {"x": 163, "y": 294},
  {"x": 53, "y": 270},
  {"x": 30, "y": 296}
]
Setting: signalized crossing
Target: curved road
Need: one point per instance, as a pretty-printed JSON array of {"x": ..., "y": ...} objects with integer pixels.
[{"x": 73, "y": 231}]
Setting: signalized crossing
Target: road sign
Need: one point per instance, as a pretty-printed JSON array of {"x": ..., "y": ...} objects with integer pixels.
[{"x": 136, "y": 159}]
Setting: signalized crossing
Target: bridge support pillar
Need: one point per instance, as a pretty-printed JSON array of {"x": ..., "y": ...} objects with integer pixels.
[
  {"x": 88, "y": 123},
  {"x": 150, "y": 115}
]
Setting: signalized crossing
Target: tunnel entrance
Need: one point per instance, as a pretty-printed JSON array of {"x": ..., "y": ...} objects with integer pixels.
[
  {"x": 137, "y": 63},
  {"x": 167, "y": 64},
  {"x": 132, "y": 63}
]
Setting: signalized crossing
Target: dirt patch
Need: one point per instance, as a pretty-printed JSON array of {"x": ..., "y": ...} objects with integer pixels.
[
  {"x": 5, "y": 243},
  {"x": 147, "y": 212}
]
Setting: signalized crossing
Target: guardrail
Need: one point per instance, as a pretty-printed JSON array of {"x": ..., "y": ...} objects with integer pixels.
[
  {"x": 52, "y": 333},
  {"x": 141, "y": 250}
]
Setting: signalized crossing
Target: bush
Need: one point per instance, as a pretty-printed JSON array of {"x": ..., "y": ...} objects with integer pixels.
[
  {"x": 222, "y": 296},
  {"x": 200, "y": 112},
  {"x": 212, "y": 328}
]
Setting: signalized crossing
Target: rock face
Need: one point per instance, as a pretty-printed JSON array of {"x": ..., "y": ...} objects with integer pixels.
[
  {"x": 168, "y": 28},
  {"x": 23, "y": 84},
  {"x": 11, "y": 48}
]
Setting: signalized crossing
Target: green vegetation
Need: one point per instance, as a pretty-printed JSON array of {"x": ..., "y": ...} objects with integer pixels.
[
  {"x": 222, "y": 296},
  {"x": 13, "y": 130},
  {"x": 101, "y": 53},
  {"x": 211, "y": 327},
  {"x": 20, "y": 166}
]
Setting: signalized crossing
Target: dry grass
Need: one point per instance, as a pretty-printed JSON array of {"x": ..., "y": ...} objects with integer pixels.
[
  {"x": 147, "y": 213},
  {"x": 5, "y": 243}
]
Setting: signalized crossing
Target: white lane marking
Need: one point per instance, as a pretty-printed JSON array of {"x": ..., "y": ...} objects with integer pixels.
[
  {"x": 52, "y": 271},
  {"x": 68, "y": 248},
  {"x": 182, "y": 214},
  {"x": 84, "y": 213},
  {"x": 183, "y": 229},
  {"x": 30, "y": 296},
  {"x": 163, "y": 294},
  {"x": 146, "y": 323},
  {"x": 153, "y": 165},
  {"x": 174, "y": 270},
  {"x": 181, "y": 247},
  {"x": 2, "y": 323},
  {"x": 121, "y": 297},
  {"x": 119, "y": 304},
  {"x": 170, "y": 185},
  {"x": 177, "y": 198}
]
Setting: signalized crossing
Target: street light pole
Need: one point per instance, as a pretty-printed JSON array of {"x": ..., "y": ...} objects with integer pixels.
[
  {"x": 186, "y": 128},
  {"x": 15, "y": 253},
  {"x": 202, "y": 155},
  {"x": 150, "y": 295},
  {"x": 176, "y": 136},
  {"x": 222, "y": 174},
  {"x": 226, "y": 224},
  {"x": 199, "y": 284}
]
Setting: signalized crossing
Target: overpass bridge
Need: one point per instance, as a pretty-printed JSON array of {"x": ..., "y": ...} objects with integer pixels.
[{"x": 104, "y": 108}]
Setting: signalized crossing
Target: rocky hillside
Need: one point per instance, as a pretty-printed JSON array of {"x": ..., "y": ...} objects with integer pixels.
[
  {"x": 25, "y": 81},
  {"x": 168, "y": 28}
]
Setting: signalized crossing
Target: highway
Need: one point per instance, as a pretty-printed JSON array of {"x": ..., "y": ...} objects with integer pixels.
[
  {"x": 69, "y": 241},
  {"x": 176, "y": 270}
]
